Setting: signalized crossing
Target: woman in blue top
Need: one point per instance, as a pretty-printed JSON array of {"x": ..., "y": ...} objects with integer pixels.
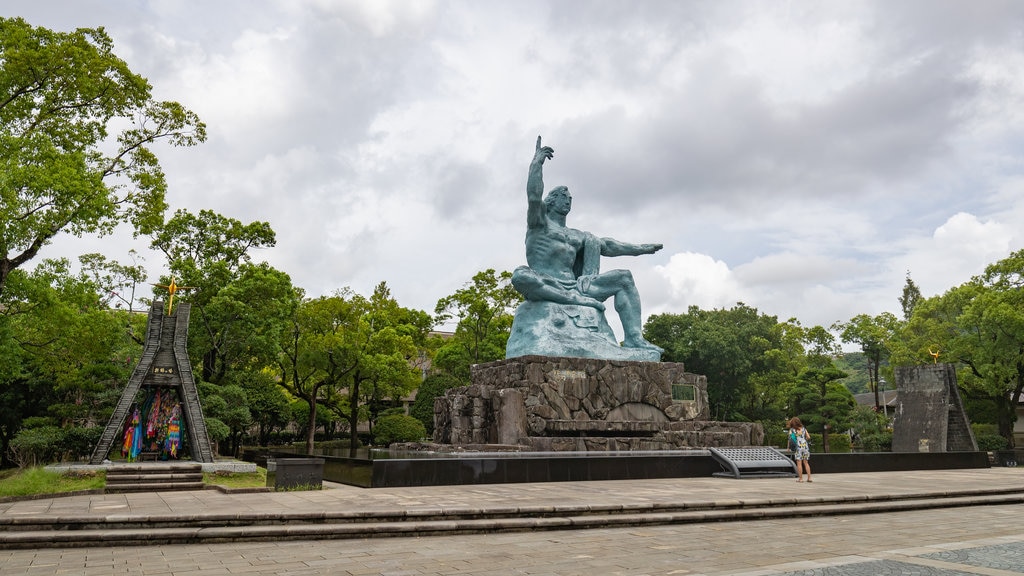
[{"x": 802, "y": 453}]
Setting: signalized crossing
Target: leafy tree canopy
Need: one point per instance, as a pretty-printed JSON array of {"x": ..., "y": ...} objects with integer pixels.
[
  {"x": 60, "y": 170},
  {"x": 484, "y": 309}
]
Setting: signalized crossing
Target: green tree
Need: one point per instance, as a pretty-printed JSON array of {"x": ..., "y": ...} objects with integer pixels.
[
  {"x": 433, "y": 386},
  {"x": 60, "y": 171},
  {"x": 312, "y": 361},
  {"x": 746, "y": 356},
  {"x": 267, "y": 402},
  {"x": 980, "y": 326},
  {"x": 910, "y": 298},
  {"x": 823, "y": 404},
  {"x": 63, "y": 354},
  {"x": 346, "y": 351},
  {"x": 484, "y": 308},
  {"x": 239, "y": 308},
  {"x": 875, "y": 336}
]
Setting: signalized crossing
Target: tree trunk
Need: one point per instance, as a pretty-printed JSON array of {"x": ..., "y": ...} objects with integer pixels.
[
  {"x": 353, "y": 418},
  {"x": 311, "y": 424}
]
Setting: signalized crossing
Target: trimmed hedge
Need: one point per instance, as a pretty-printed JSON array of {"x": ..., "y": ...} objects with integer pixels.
[{"x": 398, "y": 428}]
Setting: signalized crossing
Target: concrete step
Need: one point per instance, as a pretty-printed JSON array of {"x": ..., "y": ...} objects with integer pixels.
[
  {"x": 155, "y": 477},
  {"x": 153, "y": 487},
  {"x": 119, "y": 530}
]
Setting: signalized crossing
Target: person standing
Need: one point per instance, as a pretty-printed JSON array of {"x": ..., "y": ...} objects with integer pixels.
[{"x": 799, "y": 437}]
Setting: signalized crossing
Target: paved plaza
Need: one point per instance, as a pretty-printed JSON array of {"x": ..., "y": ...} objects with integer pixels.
[{"x": 963, "y": 540}]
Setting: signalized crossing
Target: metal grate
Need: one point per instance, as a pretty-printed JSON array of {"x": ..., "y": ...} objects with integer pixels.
[{"x": 754, "y": 462}]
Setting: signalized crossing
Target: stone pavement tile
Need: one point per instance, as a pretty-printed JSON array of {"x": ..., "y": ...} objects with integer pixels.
[{"x": 1008, "y": 556}]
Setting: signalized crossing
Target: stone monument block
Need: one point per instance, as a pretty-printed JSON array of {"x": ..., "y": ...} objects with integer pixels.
[
  {"x": 544, "y": 403},
  {"x": 929, "y": 413}
]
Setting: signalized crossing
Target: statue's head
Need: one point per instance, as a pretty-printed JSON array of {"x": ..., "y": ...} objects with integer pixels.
[{"x": 559, "y": 200}]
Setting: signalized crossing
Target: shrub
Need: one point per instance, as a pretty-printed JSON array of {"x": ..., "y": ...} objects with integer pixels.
[
  {"x": 838, "y": 443},
  {"x": 46, "y": 444},
  {"x": 423, "y": 407},
  {"x": 78, "y": 443},
  {"x": 991, "y": 442},
  {"x": 398, "y": 428},
  {"x": 36, "y": 446},
  {"x": 878, "y": 442}
]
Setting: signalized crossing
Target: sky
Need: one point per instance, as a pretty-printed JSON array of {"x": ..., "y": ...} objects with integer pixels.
[{"x": 801, "y": 157}]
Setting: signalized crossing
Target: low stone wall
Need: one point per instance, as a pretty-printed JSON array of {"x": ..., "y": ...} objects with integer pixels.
[{"x": 548, "y": 403}]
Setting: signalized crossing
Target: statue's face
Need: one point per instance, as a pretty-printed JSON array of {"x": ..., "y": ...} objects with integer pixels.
[{"x": 560, "y": 201}]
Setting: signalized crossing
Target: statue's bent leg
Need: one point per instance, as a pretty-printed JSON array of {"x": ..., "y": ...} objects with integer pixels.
[
  {"x": 620, "y": 284},
  {"x": 542, "y": 288}
]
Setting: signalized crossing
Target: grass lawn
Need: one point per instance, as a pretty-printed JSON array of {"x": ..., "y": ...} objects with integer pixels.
[
  {"x": 257, "y": 479},
  {"x": 38, "y": 480}
]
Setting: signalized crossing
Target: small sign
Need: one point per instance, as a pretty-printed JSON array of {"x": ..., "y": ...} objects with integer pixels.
[
  {"x": 684, "y": 392},
  {"x": 563, "y": 375},
  {"x": 162, "y": 370}
]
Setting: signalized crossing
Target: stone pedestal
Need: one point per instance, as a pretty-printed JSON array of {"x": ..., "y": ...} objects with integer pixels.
[
  {"x": 550, "y": 329},
  {"x": 929, "y": 414},
  {"x": 544, "y": 403}
]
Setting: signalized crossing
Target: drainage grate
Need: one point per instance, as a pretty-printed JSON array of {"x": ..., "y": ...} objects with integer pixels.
[{"x": 755, "y": 462}]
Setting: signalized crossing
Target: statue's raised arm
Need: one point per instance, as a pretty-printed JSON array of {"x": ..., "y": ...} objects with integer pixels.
[{"x": 535, "y": 215}]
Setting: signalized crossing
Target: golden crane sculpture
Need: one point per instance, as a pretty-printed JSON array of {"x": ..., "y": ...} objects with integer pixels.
[{"x": 171, "y": 289}]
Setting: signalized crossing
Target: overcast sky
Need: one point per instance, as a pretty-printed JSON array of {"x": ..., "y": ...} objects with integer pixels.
[{"x": 801, "y": 157}]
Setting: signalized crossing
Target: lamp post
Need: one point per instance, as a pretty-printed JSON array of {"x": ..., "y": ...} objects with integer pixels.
[{"x": 885, "y": 401}]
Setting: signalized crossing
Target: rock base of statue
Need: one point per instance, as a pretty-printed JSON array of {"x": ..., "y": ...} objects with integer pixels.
[
  {"x": 542, "y": 404},
  {"x": 568, "y": 330}
]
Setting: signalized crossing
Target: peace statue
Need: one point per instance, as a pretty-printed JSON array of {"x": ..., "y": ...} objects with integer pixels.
[{"x": 564, "y": 287}]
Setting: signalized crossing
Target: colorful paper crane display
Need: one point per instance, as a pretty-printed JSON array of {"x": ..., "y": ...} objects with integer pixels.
[{"x": 154, "y": 427}]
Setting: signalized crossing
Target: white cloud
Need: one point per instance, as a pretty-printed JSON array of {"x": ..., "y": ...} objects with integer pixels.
[
  {"x": 799, "y": 157},
  {"x": 700, "y": 280}
]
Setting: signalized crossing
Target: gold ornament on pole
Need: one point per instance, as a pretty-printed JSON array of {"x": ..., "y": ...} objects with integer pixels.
[{"x": 171, "y": 289}]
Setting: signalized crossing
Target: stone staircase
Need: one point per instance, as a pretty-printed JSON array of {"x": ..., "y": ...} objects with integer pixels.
[
  {"x": 213, "y": 526},
  {"x": 155, "y": 477}
]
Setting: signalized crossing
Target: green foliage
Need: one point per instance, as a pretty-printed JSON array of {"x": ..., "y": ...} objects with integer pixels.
[
  {"x": 988, "y": 438},
  {"x": 875, "y": 335},
  {"x": 228, "y": 479},
  {"x": 838, "y": 443},
  {"x": 61, "y": 169},
  {"x": 982, "y": 411},
  {"x": 876, "y": 442},
  {"x": 821, "y": 400},
  {"x": 433, "y": 386},
  {"x": 979, "y": 325},
  {"x": 855, "y": 364},
  {"x": 911, "y": 298},
  {"x": 398, "y": 428},
  {"x": 243, "y": 308},
  {"x": 36, "y": 446},
  {"x": 217, "y": 430},
  {"x": 870, "y": 429},
  {"x": 48, "y": 444},
  {"x": 268, "y": 404},
  {"x": 991, "y": 442},
  {"x": 484, "y": 308},
  {"x": 749, "y": 358},
  {"x": 352, "y": 355}
]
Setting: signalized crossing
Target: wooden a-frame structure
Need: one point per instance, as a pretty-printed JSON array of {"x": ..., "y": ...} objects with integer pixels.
[{"x": 164, "y": 363}]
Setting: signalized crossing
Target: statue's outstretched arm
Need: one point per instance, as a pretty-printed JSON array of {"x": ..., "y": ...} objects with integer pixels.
[{"x": 613, "y": 247}]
